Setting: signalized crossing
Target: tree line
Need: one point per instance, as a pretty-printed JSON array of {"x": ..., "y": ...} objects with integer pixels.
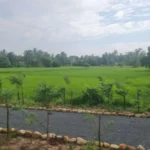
[{"x": 40, "y": 58}]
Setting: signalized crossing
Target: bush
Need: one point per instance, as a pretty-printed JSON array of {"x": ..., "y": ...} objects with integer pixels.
[
  {"x": 86, "y": 65},
  {"x": 92, "y": 97},
  {"x": 55, "y": 64},
  {"x": 119, "y": 102}
]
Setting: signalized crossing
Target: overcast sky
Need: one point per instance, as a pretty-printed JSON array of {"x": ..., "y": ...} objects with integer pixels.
[{"x": 75, "y": 26}]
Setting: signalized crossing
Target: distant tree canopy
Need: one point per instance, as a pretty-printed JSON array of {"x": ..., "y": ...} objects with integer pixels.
[
  {"x": 40, "y": 58},
  {"x": 146, "y": 59}
]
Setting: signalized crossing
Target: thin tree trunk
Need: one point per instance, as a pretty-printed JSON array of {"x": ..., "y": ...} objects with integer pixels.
[
  {"x": 18, "y": 94},
  {"x": 64, "y": 96},
  {"x": 71, "y": 96},
  {"x": 22, "y": 93},
  {"x": 7, "y": 121},
  {"x": 124, "y": 102},
  {"x": 47, "y": 127},
  {"x": 99, "y": 133}
]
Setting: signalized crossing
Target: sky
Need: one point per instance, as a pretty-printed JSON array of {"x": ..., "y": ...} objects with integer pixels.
[{"x": 77, "y": 27}]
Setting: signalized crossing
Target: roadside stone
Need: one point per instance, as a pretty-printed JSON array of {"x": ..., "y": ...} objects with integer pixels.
[
  {"x": 138, "y": 115},
  {"x": 36, "y": 134},
  {"x": 143, "y": 115},
  {"x": 12, "y": 130},
  {"x": 81, "y": 141},
  {"x": 22, "y": 132},
  {"x": 52, "y": 135},
  {"x": 73, "y": 140},
  {"x": 113, "y": 113},
  {"x": 114, "y": 147},
  {"x": 122, "y": 147},
  {"x": 3, "y": 130},
  {"x": 107, "y": 113},
  {"x": 140, "y": 147},
  {"x": 59, "y": 137},
  {"x": 66, "y": 138},
  {"x": 131, "y": 115},
  {"x": 131, "y": 148},
  {"x": 28, "y": 133},
  {"x": 106, "y": 145},
  {"x": 44, "y": 136}
]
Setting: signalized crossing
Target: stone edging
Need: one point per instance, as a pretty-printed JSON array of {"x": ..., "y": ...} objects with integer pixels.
[
  {"x": 127, "y": 114},
  {"x": 66, "y": 139}
]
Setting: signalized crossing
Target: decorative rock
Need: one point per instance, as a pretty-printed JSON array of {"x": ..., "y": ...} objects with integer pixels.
[
  {"x": 36, "y": 134},
  {"x": 131, "y": 115},
  {"x": 107, "y": 113},
  {"x": 81, "y": 141},
  {"x": 131, "y": 148},
  {"x": 66, "y": 138},
  {"x": 113, "y": 113},
  {"x": 52, "y": 135},
  {"x": 122, "y": 147},
  {"x": 59, "y": 137},
  {"x": 140, "y": 147},
  {"x": 22, "y": 132},
  {"x": 138, "y": 115},
  {"x": 73, "y": 140},
  {"x": 143, "y": 115},
  {"x": 44, "y": 136},
  {"x": 114, "y": 147},
  {"x": 12, "y": 130},
  {"x": 3, "y": 130},
  {"x": 106, "y": 145},
  {"x": 28, "y": 133}
]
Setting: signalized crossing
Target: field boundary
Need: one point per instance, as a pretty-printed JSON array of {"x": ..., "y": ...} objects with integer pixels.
[{"x": 89, "y": 111}]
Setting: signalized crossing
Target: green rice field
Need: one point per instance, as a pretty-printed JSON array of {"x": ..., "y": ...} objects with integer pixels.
[{"x": 80, "y": 77}]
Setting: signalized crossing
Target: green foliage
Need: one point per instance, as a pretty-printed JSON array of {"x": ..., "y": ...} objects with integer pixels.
[
  {"x": 66, "y": 79},
  {"x": 86, "y": 65},
  {"x": 146, "y": 59},
  {"x": 6, "y": 95},
  {"x": 1, "y": 83},
  {"x": 122, "y": 91},
  {"x": 92, "y": 96},
  {"x": 90, "y": 146},
  {"x": 130, "y": 78},
  {"x": 45, "y": 94},
  {"x": 106, "y": 88}
]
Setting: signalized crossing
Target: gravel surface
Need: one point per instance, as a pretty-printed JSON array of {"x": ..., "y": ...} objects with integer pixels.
[{"x": 115, "y": 129}]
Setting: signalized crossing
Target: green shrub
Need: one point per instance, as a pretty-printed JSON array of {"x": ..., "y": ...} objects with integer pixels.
[
  {"x": 92, "y": 96},
  {"x": 86, "y": 65}
]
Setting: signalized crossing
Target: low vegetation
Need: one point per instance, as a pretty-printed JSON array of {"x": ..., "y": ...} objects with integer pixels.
[{"x": 106, "y": 87}]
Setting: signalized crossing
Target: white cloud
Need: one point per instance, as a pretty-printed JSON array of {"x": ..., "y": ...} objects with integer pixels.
[
  {"x": 126, "y": 47},
  {"x": 39, "y": 22},
  {"x": 120, "y": 15}
]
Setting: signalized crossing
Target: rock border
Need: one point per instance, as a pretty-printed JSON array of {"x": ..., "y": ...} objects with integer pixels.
[
  {"x": 96, "y": 112},
  {"x": 66, "y": 139}
]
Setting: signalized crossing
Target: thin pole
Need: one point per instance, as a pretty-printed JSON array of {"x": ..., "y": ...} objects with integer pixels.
[{"x": 99, "y": 132}]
